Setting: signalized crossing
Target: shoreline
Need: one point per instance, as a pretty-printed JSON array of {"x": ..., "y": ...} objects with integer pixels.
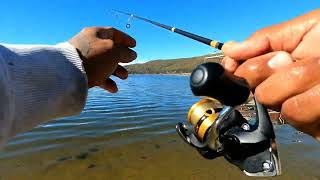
[
  {"x": 165, "y": 74},
  {"x": 163, "y": 157}
]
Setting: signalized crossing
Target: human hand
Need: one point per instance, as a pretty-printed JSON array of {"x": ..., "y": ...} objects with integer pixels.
[
  {"x": 101, "y": 49},
  {"x": 282, "y": 64}
]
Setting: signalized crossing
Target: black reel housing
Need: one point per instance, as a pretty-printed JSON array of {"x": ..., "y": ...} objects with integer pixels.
[{"x": 251, "y": 147}]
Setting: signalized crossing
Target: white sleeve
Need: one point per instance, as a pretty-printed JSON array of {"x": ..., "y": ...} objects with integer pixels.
[{"x": 39, "y": 83}]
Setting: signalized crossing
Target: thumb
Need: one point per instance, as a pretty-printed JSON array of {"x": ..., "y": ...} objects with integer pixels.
[{"x": 248, "y": 49}]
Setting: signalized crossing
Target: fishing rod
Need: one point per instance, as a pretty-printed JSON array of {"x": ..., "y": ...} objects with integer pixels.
[
  {"x": 215, "y": 127},
  {"x": 213, "y": 43}
]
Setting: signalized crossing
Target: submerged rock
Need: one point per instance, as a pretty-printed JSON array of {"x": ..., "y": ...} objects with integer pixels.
[
  {"x": 157, "y": 146},
  {"x": 91, "y": 166},
  {"x": 93, "y": 149},
  {"x": 64, "y": 158},
  {"x": 143, "y": 157},
  {"x": 83, "y": 155}
]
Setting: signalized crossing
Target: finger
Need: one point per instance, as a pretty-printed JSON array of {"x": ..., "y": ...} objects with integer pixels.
[
  {"x": 257, "y": 69},
  {"x": 281, "y": 37},
  {"x": 290, "y": 81},
  {"x": 124, "y": 39},
  {"x": 119, "y": 53},
  {"x": 247, "y": 49},
  {"x": 109, "y": 85},
  {"x": 121, "y": 72},
  {"x": 229, "y": 64},
  {"x": 118, "y": 37},
  {"x": 303, "y": 111},
  {"x": 124, "y": 54}
]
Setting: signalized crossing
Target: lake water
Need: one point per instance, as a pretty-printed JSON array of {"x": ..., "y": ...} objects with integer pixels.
[{"x": 131, "y": 135}]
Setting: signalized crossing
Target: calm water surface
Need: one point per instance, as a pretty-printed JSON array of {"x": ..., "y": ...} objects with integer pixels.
[
  {"x": 144, "y": 111},
  {"x": 146, "y": 105}
]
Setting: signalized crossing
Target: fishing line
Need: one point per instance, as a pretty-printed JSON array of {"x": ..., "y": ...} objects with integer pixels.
[
  {"x": 128, "y": 25},
  {"x": 118, "y": 18}
]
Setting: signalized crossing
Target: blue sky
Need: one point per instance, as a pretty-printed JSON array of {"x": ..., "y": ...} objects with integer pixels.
[{"x": 50, "y": 22}]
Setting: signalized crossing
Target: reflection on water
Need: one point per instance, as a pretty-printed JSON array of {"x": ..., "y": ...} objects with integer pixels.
[{"x": 146, "y": 109}]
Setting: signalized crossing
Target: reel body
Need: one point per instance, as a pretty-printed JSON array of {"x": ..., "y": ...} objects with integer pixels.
[{"x": 218, "y": 129}]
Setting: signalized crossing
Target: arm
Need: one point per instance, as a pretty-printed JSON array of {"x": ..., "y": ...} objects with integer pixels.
[{"x": 39, "y": 83}]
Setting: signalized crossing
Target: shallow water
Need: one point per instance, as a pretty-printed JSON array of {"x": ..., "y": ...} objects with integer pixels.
[{"x": 131, "y": 135}]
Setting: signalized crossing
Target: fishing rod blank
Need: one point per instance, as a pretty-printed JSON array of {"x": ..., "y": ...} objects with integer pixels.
[{"x": 210, "y": 42}]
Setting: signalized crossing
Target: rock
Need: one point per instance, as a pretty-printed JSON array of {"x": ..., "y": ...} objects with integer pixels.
[
  {"x": 93, "y": 149},
  {"x": 82, "y": 155},
  {"x": 64, "y": 158},
  {"x": 157, "y": 146},
  {"x": 91, "y": 166},
  {"x": 143, "y": 157}
]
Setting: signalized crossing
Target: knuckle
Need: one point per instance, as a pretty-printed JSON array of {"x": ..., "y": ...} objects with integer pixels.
[
  {"x": 110, "y": 43},
  {"x": 86, "y": 29},
  {"x": 106, "y": 32}
]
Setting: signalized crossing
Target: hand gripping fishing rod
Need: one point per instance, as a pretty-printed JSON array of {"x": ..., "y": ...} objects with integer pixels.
[{"x": 217, "y": 127}]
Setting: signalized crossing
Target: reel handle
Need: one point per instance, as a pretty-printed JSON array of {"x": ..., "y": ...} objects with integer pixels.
[{"x": 210, "y": 79}]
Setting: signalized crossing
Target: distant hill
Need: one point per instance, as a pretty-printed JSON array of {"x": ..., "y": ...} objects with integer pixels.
[{"x": 172, "y": 66}]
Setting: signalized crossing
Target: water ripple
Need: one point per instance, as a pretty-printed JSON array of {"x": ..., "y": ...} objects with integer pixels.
[{"x": 146, "y": 106}]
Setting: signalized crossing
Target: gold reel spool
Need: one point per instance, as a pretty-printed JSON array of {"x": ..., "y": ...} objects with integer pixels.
[{"x": 202, "y": 115}]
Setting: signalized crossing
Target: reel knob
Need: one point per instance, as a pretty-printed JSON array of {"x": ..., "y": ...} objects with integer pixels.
[{"x": 210, "y": 79}]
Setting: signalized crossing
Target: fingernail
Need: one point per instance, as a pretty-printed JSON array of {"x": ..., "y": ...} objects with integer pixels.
[
  {"x": 133, "y": 55},
  {"x": 280, "y": 60},
  {"x": 114, "y": 90},
  {"x": 228, "y": 45}
]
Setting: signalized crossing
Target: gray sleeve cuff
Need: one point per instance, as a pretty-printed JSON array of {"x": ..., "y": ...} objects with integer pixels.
[
  {"x": 44, "y": 82},
  {"x": 71, "y": 54}
]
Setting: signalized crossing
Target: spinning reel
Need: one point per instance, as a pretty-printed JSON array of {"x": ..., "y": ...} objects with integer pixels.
[{"x": 218, "y": 129}]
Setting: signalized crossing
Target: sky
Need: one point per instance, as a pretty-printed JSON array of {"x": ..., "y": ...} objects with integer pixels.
[{"x": 51, "y": 22}]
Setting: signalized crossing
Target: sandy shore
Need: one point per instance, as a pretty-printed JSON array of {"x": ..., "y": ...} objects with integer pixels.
[{"x": 160, "y": 158}]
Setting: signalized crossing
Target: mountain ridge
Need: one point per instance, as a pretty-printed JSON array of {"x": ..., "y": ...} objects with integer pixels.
[{"x": 172, "y": 66}]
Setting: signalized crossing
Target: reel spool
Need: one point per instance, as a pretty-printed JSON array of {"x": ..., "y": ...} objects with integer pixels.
[{"x": 202, "y": 115}]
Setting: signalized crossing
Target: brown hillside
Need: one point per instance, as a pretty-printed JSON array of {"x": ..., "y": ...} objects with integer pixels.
[{"x": 172, "y": 66}]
